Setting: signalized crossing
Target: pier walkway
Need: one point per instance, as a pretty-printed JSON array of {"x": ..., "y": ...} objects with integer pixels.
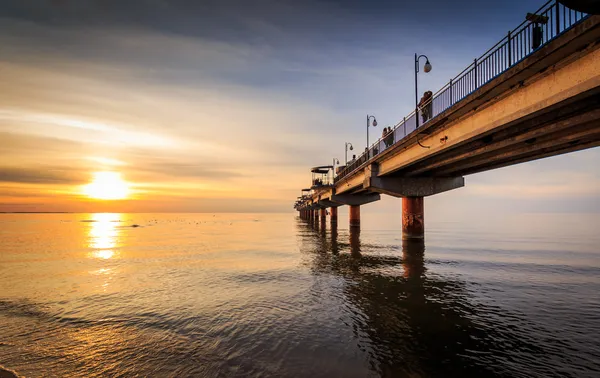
[{"x": 535, "y": 94}]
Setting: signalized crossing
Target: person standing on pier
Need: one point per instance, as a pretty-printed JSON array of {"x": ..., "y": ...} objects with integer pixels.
[
  {"x": 383, "y": 136},
  {"x": 425, "y": 105}
]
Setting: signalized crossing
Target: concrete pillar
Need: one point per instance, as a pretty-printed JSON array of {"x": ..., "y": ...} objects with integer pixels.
[
  {"x": 323, "y": 217},
  {"x": 413, "y": 223},
  {"x": 316, "y": 215},
  {"x": 354, "y": 215},
  {"x": 334, "y": 215}
]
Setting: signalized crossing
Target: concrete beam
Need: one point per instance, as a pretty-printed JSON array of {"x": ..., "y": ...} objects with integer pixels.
[
  {"x": 539, "y": 127},
  {"x": 412, "y": 186},
  {"x": 575, "y": 136},
  {"x": 355, "y": 200},
  {"x": 348, "y": 184},
  {"x": 328, "y": 203}
]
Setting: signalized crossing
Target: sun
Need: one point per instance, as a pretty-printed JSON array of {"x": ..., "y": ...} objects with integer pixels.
[{"x": 107, "y": 186}]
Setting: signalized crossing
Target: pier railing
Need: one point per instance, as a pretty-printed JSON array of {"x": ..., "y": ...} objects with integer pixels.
[{"x": 548, "y": 22}]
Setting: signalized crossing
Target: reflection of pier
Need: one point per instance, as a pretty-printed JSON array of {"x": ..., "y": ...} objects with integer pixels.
[
  {"x": 533, "y": 95},
  {"x": 411, "y": 324}
]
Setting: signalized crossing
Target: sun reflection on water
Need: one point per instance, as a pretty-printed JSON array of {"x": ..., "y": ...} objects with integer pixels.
[{"x": 104, "y": 234}]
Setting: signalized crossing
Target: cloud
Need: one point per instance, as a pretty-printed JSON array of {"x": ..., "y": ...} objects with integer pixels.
[
  {"x": 183, "y": 170},
  {"x": 47, "y": 175},
  {"x": 226, "y": 99}
]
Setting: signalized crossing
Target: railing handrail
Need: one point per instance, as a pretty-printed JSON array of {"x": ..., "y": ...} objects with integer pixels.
[{"x": 465, "y": 90}]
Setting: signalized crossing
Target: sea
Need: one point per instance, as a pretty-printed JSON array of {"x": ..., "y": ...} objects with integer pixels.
[{"x": 272, "y": 295}]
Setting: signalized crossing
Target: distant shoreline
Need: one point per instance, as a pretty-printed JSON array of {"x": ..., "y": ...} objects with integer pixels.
[{"x": 36, "y": 212}]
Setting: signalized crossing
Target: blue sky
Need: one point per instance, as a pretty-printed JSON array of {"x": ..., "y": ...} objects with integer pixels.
[{"x": 227, "y": 104}]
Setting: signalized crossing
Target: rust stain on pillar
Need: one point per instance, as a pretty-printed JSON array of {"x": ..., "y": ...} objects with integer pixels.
[
  {"x": 334, "y": 214},
  {"x": 354, "y": 216},
  {"x": 413, "y": 222}
]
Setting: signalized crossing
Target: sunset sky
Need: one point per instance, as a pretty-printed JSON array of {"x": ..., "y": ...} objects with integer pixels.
[{"x": 224, "y": 105}]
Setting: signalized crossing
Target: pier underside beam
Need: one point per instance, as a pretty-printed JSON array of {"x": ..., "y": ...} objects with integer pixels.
[
  {"x": 355, "y": 199},
  {"x": 328, "y": 203},
  {"x": 412, "y": 186}
]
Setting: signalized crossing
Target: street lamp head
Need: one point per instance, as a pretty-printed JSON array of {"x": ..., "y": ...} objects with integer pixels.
[
  {"x": 336, "y": 161},
  {"x": 374, "y": 122},
  {"x": 351, "y": 148},
  {"x": 427, "y": 66}
]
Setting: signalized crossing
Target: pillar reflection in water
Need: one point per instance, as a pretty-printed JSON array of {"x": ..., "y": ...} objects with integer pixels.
[
  {"x": 323, "y": 229},
  {"x": 355, "y": 241},
  {"x": 334, "y": 239},
  {"x": 413, "y": 255},
  {"x": 415, "y": 324}
]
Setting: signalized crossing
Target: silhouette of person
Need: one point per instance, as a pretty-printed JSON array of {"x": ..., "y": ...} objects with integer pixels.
[{"x": 425, "y": 105}]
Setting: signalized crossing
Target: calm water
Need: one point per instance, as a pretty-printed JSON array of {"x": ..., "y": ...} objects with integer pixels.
[{"x": 89, "y": 295}]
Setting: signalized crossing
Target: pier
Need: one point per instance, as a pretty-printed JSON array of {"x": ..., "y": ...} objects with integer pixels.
[{"x": 533, "y": 95}]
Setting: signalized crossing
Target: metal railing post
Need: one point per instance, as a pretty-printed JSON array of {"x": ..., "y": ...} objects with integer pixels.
[
  {"x": 557, "y": 17},
  {"x": 450, "y": 93},
  {"x": 509, "y": 51},
  {"x": 475, "y": 67}
]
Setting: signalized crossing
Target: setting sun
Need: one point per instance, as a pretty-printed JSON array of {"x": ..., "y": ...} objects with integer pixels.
[{"x": 107, "y": 186}]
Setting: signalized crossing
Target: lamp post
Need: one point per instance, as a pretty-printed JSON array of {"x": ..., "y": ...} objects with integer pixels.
[
  {"x": 368, "y": 123},
  {"x": 351, "y": 148},
  {"x": 335, "y": 161},
  {"x": 426, "y": 68}
]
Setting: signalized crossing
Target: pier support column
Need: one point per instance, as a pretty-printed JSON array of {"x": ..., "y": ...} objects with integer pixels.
[
  {"x": 413, "y": 223},
  {"x": 316, "y": 216},
  {"x": 354, "y": 213},
  {"x": 323, "y": 216},
  {"x": 334, "y": 215}
]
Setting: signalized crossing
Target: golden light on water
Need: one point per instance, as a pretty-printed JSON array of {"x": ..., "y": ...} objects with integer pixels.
[
  {"x": 104, "y": 234},
  {"x": 107, "y": 186},
  {"x": 106, "y": 254}
]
